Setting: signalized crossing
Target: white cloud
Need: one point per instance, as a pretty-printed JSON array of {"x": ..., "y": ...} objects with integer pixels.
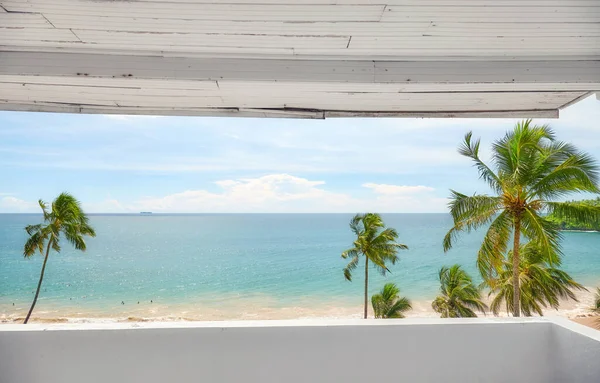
[
  {"x": 284, "y": 193},
  {"x": 273, "y": 193},
  {"x": 270, "y": 193},
  {"x": 10, "y": 204},
  {"x": 397, "y": 189}
]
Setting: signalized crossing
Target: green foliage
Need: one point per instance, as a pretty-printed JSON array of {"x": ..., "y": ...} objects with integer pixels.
[
  {"x": 596, "y": 306},
  {"x": 530, "y": 169},
  {"x": 459, "y": 297},
  {"x": 576, "y": 222},
  {"x": 389, "y": 304},
  {"x": 376, "y": 243},
  {"x": 541, "y": 284},
  {"x": 65, "y": 217}
]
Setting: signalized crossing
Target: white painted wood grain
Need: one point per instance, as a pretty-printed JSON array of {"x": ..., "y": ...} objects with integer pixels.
[
  {"x": 19, "y": 36},
  {"x": 152, "y": 86},
  {"x": 346, "y": 57},
  {"x": 494, "y": 14},
  {"x": 119, "y": 83},
  {"x": 23, "y": 20},
  {"x": 407, "y": 3},
  {"x": 242, "y": 12},
  {"x": 285, "y": 98},
  {"x": 476, "y": 43},
  {"x": 29, "y": 63},
  {"x": 566, "y": 71},
  {"x": 139, "y": 40},
  {"x": 229, "y": 112},
  {"x": 310, "y": 71},
  {"x": 137, "y": 24}
]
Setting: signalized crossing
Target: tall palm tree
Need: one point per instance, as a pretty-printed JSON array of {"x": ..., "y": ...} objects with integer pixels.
[
  {"x": 376, "y": 243},
  {"x": 388, "y": 303},
  {"x": 65, "y": 218},
  {"x": 541, "y": 284},
  {"x": 459, "y": 297},
  {"x": 532, "y": 169}
]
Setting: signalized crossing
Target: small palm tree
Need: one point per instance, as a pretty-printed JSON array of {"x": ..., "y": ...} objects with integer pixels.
[
  {"x": 596, "y": 307},
  {"x": 65, "y": 217},
  {"x": 532, "y": 170},
  {"x": 389, "y": 304},
  {"x": 541, "y": 284},
  {"x": 459, "y": 297},
  {"x": 376, "y": 243}
]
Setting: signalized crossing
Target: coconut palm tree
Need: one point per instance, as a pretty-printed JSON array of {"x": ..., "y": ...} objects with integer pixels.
[
  {"x": 376, "y": 243},
  {"x": 459, "y": 297},
  {"x": 541, "y": 284},
  {"x": 388, "y": 303},
  {"x": 532, "y": 169},
  {"x": 65, "y": 218}
]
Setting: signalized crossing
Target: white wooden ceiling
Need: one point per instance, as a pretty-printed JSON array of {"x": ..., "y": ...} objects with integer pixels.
[{"x": 299, "y": 58}]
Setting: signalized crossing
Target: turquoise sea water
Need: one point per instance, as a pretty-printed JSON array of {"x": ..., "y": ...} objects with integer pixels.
[{"x": 283, "y": 259}]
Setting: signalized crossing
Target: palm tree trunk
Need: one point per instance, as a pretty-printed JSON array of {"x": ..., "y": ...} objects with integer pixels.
[
  {"x": 515, "y": 280},
  {"x": 366, "y": 285},
  {"x": 37, "y": 293}
]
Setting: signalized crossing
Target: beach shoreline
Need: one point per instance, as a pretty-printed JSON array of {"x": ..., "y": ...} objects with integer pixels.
[{"x": 257, "y": 310}]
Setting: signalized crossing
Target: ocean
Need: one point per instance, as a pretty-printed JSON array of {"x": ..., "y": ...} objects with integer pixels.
[{"x": 234, "y": 266}]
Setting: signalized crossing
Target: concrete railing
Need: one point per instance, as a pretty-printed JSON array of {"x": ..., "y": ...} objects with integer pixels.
[{"x": 407, "y": 350}]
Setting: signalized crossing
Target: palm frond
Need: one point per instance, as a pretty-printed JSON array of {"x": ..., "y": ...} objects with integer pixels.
[
  {"x": 564, "y": 171},
  {"x": 544, "y": 233},
  {"x": 470, "y": 149},
  {"x": 65, "y": 217},
  {"x": 400, "y": 306},
  {"x": 596, "y": 305},
  {"x": 517, "y": 154},
  {"x": 373, "y": 240},
  {"x": 494, "y": 246},
  {"x": 576, "y": 211},
  {"x": 350, "y": 267},
  {"x": 469, "y": 213},
  {"x": 388, "y": 304},
  {"x": 32, "y": 229},
  {"x": 472, "y": 211},
  {"x": 35, "y": 243},
  {"x": 541, "y": 285},
  {"x": 44, "y": 207},
  {"x": 459, "y": 297},
  {"x": 353, "y": 252},
  {"x": 355, "y": 224}
]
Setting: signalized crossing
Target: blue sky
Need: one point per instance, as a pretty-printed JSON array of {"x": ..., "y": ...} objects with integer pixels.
[{"x": 184, "y": 164}]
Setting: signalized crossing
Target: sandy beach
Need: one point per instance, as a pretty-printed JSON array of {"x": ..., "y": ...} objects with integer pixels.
[{"x": 255, "y": 308}]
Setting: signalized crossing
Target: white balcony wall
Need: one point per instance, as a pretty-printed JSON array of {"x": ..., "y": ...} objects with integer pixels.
[
  {"x": 293, "y": 352},
  {"x": 576, "y": 353}
]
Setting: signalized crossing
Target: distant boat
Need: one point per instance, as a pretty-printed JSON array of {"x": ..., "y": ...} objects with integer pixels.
[{"x": 145, "y": 212}]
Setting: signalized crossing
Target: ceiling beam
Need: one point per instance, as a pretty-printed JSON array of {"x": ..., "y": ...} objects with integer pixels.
[{"x": 327, "y": 71}]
